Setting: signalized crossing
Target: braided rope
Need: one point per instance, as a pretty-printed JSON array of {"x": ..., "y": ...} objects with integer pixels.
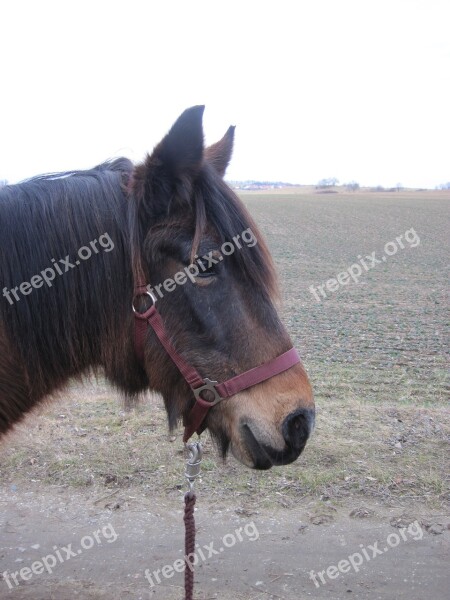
[{"x": 189, "y": 548}]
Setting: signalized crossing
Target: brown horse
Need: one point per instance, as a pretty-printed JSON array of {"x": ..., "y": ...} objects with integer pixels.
[{"x": 74, "y": 247}]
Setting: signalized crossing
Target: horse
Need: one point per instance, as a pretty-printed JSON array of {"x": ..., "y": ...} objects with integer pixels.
[{"x": 88, "y": 260}]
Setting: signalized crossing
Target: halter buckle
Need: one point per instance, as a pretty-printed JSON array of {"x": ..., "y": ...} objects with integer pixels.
[{"x": 210, "y": 387}]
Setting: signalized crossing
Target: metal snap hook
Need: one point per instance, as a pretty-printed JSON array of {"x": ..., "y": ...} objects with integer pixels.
[{"x": 193, "y": 463}]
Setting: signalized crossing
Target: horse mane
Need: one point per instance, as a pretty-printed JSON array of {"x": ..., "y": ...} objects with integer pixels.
[{"x": 56, "y": 330}]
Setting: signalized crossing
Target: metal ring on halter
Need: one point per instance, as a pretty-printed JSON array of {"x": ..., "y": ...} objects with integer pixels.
[
  {"x": 209, "y": 386},
  {"x": 147, "y": 293}
]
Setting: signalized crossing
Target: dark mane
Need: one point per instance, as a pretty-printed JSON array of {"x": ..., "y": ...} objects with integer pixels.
[
  {"x": 52, "y": 216},
  {"x": 116, "y": 165}
]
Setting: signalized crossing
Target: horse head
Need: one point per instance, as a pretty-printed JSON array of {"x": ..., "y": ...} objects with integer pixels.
[{"x": 212, "y": 278}]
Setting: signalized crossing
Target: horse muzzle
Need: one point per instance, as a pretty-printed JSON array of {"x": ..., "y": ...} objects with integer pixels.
[{"x": 296, "y": 429}]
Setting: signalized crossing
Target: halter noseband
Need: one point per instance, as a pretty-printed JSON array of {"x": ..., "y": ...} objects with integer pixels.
[{"x": 207, "y": 393}]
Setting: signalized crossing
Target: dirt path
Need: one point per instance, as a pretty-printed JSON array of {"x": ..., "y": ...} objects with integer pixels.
[{"x": 102, "y": 544}]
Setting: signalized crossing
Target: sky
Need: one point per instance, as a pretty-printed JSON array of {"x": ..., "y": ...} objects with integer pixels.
[{"x": 357, "y": 90}]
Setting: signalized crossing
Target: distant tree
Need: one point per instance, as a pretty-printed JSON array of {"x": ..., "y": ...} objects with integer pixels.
[
  {"x": 443, "y": 186},
  {"x": 3, "y": 182},
  {"x": 398, "y": 187},
  {"x": 352, "y": 186},
  {"x": 327, "y": 183}
]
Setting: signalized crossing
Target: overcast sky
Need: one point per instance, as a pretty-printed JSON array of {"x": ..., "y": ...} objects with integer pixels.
[{"x": 358, "y": 90}]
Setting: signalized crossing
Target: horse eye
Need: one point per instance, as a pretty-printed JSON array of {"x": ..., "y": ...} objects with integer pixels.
[{"x": 204, "y": 270}]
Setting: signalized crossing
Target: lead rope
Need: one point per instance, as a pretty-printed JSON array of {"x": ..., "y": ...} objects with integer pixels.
[{"x": 192, "y": 471}]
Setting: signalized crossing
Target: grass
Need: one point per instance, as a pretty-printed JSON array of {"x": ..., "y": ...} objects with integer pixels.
[{"x": 87, "y": 441}]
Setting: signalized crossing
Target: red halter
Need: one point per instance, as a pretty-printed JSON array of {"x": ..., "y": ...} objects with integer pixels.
[{"x": 202, "y": 386}]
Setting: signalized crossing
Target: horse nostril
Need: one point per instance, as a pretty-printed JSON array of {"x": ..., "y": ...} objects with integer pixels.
[{"x": 297, "y": 426}]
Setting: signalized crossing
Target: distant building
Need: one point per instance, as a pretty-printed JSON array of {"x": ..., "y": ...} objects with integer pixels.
[{"x": 259, "y": 185}]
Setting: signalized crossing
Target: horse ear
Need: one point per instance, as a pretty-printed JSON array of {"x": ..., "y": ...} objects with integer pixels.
[
  {"x": 181, "y": 151},
  {"x": 177, "y": 158},
  {"x": 219, "y": 154}
]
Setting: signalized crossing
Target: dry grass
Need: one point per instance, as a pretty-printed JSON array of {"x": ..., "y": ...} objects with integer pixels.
[{"x": 391, "y": 454}]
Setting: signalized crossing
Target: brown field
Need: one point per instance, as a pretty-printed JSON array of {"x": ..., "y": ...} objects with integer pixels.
[{"x": 377, "y": 355}]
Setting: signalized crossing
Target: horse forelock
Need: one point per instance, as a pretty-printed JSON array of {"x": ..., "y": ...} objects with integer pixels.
[{"x": 217, "y": 206}]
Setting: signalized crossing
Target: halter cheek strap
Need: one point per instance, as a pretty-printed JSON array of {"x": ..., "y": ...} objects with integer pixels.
[{"x": 207, "y": 393}]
